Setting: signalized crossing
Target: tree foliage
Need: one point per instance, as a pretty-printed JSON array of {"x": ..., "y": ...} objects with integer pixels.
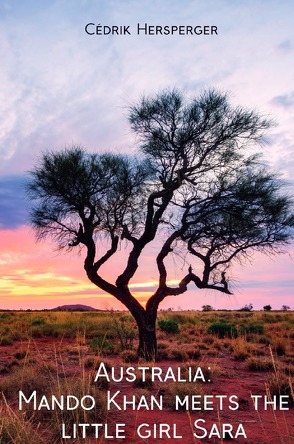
[
  {"x": 207, "y": 307},
  {"x": 196, "y": 182}
]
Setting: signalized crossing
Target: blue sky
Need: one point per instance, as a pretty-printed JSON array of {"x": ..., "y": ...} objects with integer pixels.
[{"x": 60, "y": 86}]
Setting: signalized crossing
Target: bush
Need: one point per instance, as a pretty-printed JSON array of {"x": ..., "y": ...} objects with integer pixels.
[
  {"x": 207, "y": 307},
  {"x": 182, "y": 390},
  {"x": 20, "y": 354},
  {"x": 260, "y": 364},
  {"x": 179, "y": 355},
  {"x": 37, "y": 321},
  {"x": 168, "y": 326},
  {"x": 145, "y": 383},
  {"x": 129, "y": 356},
  {"x": 281, "y": 385},
  {"x": 253, "y": 328},
  {"x": 26, "y": 379},
  {"x": 100, "y": 344},
  {"x": 280, "y": 347},
  {"x": 124, "y": 331},
  {"x": 162, "y": 354},
  {"x": 222, "y": 330},
  {"x": 77, "y": 387},
  {"x": 247, "y": 307},
  {"x": 6, "y": 340},
  {"x": 16, "y": 429},
  {"x": 193, "y": 352}
]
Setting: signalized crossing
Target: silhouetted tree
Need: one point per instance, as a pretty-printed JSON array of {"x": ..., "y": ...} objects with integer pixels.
[
  {"x": 247, "y": 307},
  {"x": 207, "y": 307},
  {"x": 267, "y": 308},
  {"x": 193, "y": 185}
]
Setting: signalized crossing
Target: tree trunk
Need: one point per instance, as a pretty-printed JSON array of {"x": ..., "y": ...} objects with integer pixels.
[{"x": 147, "y": 337}]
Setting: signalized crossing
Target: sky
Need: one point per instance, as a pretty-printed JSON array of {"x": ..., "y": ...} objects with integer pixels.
[{"x": 61, "y": 87}]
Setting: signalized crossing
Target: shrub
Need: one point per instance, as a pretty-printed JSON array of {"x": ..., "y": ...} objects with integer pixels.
[
  {"x": 100, "y": 344},
  {"x": 207, "y": 308},
  {"x": 208, "y": 340},
  {"x": 168, "y": 326},
  {"x": 77, "y": 387},
  {"x": 37, "y": 321},
  {"x": 145, "y": 383},
  {"x": 26, "y": 379},
  {"x": 280, "y": 347},
  {"x": 212, "y": 351},
  {"x": 162, "y": 354},
  {"x": 280, "y": 384},
  {"x": 260, "y": 364},
  {"x": 95, "y": 362},
  {"x": 253, "y": 328},
  {"x": 16, "y": 429},
  {"x": 240, "y": 349},
  {"x": 222, "y": 330},
  {"x": 179, "y": 355},
  {"x": 247, "y": 307},
  {"x": 174, "y": 389},
  {"x": 129, "y": 356},
  {"x": 193, "y": 352},
  {"x": 124, "y": 331},
  {"x": 6, "y": 340},
  {"x": 263, "y": 340},
  {"x": 20, "y": 354},
  {"x": 181, "y": 319}
]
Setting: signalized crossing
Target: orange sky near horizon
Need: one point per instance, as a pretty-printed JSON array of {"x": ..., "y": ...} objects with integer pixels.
[{"x": 35, "y": 276}]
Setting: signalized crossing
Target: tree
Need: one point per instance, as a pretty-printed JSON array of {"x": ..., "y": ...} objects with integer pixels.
[
  {"x": 267, "y": 308},
  {"x": 247, "y": 307},
  {"x": 195, "y": 184},
  {"x": 207, "y": 307},
  {"x": 286, "y": 307}
]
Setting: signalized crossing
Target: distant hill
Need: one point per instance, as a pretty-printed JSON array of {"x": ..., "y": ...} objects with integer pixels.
[{"x": 75, "y": 307}]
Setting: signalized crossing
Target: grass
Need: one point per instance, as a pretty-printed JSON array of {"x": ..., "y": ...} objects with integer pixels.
[
  {"x": 179, "y": 391},
  {"x": 255, "y": 341},
  {"x": 280, "y": 384},
  {"x": 25, "y": 325},
  {"x": 186, "y": 335},
  {"x": 16, "y": 429},
  {"x": 48, "y": 380}
]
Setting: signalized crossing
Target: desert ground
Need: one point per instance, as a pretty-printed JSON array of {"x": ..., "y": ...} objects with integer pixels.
[{"x": 220, "y": 376}]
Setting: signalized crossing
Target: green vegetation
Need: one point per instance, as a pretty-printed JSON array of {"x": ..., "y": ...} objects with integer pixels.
[
  {"x": 168, "y": 325},
  {"x": 207, "y": 307},
  {"x": 252, "y": 328},
  {"x": 59, "y": 353},
  {"x": 117, "y": 331},
  {"x": 223, "y": 330}
]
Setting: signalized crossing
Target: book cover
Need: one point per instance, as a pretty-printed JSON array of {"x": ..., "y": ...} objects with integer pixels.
[{"x": 146, "y": 221}]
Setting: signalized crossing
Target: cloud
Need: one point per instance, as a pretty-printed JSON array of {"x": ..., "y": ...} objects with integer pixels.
[
  {"x": 273, "y": 283},
  {"x": 13, "y": 204},
  {"x": 286, "y": 45},
  {"x": 62, "y": 87},
  {"x": 285, "y": 100}
]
